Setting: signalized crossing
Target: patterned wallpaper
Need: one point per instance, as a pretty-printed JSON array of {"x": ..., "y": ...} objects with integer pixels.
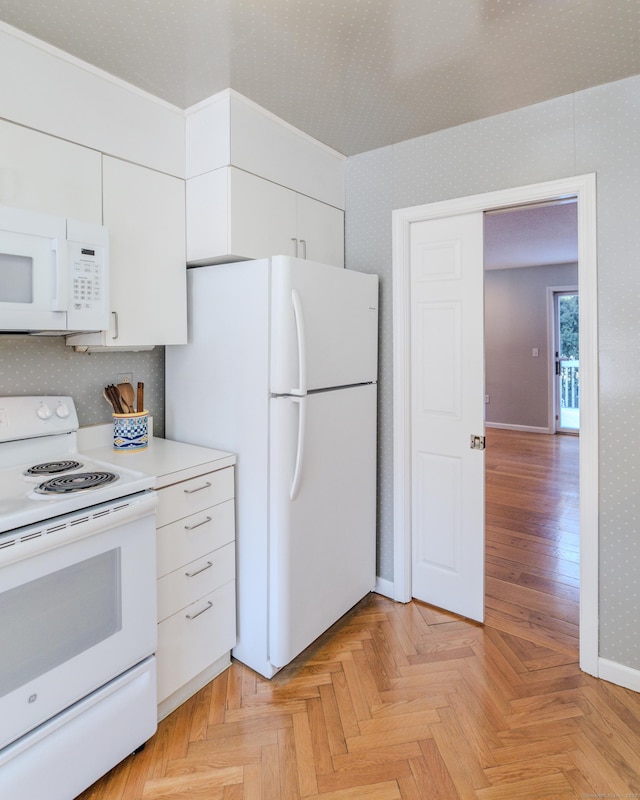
[
  {"x": 596, "y": 130},
  {"x": 46, "y": 365}
]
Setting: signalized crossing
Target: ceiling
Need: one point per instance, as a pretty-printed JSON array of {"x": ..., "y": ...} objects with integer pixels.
[
  {"x": 354, "y": 74},
  {"x": 531, "y": 236}
]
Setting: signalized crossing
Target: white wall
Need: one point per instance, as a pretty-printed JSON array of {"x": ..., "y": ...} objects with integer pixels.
[{"x": 596, "y": 130}]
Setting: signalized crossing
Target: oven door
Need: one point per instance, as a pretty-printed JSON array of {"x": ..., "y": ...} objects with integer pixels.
[{"x": 77, "y": 608}]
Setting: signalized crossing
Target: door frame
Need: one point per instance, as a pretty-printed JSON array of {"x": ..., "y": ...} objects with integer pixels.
[{"x": 582, "y": 187}]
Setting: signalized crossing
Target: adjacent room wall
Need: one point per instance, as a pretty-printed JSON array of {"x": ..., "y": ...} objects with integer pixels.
[
  {"x": 596, "y": 130},
  {"x": 516, "y": 322}
]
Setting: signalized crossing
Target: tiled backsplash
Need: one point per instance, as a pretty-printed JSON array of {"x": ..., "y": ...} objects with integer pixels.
[{"x": 46, "y": 365}]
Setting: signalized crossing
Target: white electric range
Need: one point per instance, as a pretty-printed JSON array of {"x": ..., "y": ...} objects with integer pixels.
[{"x": 77, "y": 605}]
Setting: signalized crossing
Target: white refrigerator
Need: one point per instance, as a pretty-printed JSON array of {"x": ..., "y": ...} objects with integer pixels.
[{"x": 281, "y": 369}]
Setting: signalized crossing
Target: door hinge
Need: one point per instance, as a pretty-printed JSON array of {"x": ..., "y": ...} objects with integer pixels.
[{"x": 477, "y": 442}]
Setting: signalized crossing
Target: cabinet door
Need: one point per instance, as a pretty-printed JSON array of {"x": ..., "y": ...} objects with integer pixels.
[
  {"x": 194, "y": 536},
  {"x": 193, "y": 495},
  {"x": 144, "y": 212},
  {"x": 262, "y": 219},
  {"x": 320, "y": 230},
  {"x": 194, "y": 638},
  {"x": 43, "y": 173},
  {"x": 208, "y": 217},
  {"x": 234, "y": 215}
]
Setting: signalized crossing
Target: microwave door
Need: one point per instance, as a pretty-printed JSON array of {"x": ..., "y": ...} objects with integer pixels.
[{"x": 30, "y": 293}]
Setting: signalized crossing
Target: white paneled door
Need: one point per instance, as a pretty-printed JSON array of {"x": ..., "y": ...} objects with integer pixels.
[{"x": 447, "y": 412}]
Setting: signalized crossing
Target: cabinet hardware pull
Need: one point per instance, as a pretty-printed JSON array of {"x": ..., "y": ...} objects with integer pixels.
[
  {"x": 303, "y": 242},
  {"x": 198, "y": 524},
  {"x": 199, "y": 489},
  {"x": 202, "y": 610},
  {"x": 116, "y": 331},
  {"x": 293, "y": 239},
  {"x": 208, "y": 565}
]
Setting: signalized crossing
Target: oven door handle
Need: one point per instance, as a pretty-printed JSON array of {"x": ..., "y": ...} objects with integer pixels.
[{"x": 202, "y": 610}]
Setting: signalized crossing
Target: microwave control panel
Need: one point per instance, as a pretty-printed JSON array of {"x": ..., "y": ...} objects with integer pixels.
[{"x": 88, "y": 286}]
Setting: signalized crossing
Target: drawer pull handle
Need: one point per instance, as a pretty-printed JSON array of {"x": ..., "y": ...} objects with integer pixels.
[
  {"x": 198, "y": 524},
  {"x": 208, "y": 565},
  {"x": 202, "y": 610},
  {"x": 199, "y": 489}
]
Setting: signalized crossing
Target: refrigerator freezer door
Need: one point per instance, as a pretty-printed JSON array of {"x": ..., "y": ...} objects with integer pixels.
[
  {"x": 323, "y": 542},
  {"x": 324, "y": 324}
]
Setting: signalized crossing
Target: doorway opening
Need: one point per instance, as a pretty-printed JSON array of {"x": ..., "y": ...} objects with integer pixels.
[
  {"x": 582, "y": 188},
  {"x": 532, "y": 554}
]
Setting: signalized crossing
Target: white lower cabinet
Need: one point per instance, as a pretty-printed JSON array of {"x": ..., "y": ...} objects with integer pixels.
[{"x": 196, "y": 584}]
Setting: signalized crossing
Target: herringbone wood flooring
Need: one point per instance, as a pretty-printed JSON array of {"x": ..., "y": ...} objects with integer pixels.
[{"x": 406, "y": 701}]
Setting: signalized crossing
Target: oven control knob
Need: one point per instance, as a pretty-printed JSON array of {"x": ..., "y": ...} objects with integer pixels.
[
  {"x": 44, "y": 412},
  {"x": 63, "y": 411}
]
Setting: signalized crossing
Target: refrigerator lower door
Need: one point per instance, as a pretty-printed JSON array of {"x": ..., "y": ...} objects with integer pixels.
[{"x": 322, "y": 521}]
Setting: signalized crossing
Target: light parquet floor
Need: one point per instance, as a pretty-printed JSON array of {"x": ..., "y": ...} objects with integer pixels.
[{"x": 406, "y": 702}]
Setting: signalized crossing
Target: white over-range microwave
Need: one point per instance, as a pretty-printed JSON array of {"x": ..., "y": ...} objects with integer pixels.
[{"x": 54, "y": 273}]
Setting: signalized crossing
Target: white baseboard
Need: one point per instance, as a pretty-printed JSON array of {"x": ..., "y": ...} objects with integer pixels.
[
  {"x": 523, "y": 428},
  {"x": 619, "y": 674}
]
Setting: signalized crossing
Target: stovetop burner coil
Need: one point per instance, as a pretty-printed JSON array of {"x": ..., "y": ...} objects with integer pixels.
[
  {"x": 52, "y": 467},
  {"x": 78, "y": 481}
]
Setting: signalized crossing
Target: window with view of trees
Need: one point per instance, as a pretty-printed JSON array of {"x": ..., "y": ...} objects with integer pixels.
[
  {"x": 569, "y": 329},
  {"x": 569, "y": 360}
]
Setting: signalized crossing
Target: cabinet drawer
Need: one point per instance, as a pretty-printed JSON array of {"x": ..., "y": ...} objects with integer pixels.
[
  {"x": 201, "y": 577},
  {"x": 187, "y": 497},
  {"x": 192, "y": 537},
  {"x": 186, "y": 646}
]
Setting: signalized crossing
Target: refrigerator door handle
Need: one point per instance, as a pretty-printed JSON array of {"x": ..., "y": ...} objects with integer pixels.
[
  {"x": 297, "y": 472},
  {"x": 302, "y": 345}
]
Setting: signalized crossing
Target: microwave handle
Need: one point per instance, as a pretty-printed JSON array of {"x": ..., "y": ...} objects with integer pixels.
[{"x": 61, "y": 300}]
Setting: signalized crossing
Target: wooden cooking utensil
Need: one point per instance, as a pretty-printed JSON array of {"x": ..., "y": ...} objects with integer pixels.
[
  {"x": 140, "y": 398},
  {"x": 127, "y": 394},
  {"x": 114, "y": 397}
]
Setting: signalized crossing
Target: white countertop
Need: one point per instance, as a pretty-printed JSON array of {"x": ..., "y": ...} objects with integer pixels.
[{"x": 169, "y": 461}]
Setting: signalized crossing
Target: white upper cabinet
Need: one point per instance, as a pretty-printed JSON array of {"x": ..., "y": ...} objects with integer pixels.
[
  {"x": 60, "y": 119},
  {"x": 44, "y": 90},
  {"x": 232, "y": 214},
  {"x": 144, "y": 212},
  {"x": 266, "y": 145},
  {"x": 258, "y": 187},
  {"x": 319, "y": 231},
  {"x": 43, "y": 173}
]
